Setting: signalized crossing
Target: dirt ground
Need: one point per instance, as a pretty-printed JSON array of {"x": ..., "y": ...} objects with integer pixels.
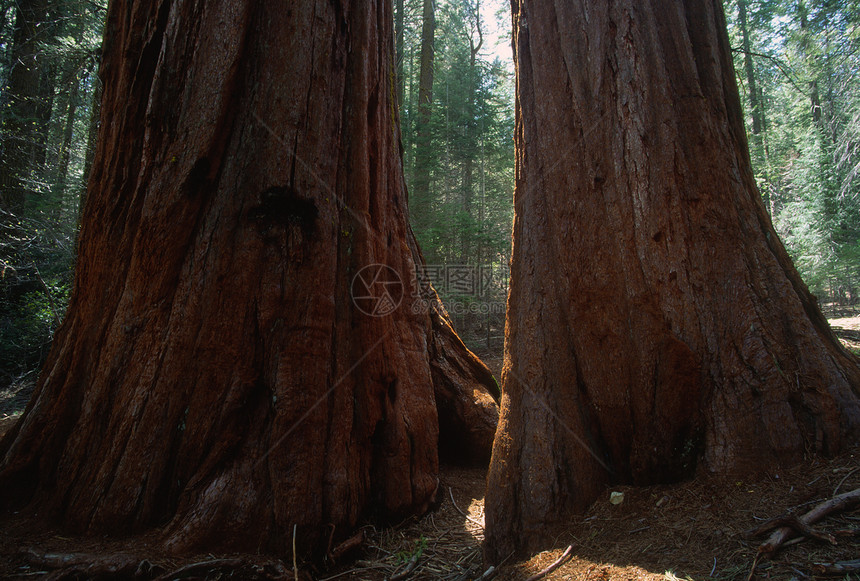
[
  {"x": 694, "y": 530},
  {"x": 848, "y": 331}
]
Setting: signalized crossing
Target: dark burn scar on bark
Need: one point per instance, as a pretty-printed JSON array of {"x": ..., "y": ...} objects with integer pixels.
[
  {"x": 282, "y": 205},
  {"x": 198, "y": 178}
]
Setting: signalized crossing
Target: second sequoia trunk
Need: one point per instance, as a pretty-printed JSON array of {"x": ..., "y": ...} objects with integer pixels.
[
  {"x": 655, "y": 321},
  {"x": 241, "y": 354}
]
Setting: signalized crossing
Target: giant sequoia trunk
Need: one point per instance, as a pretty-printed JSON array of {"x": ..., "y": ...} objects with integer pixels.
[
  {"x": 655, "y": 322},
  {"x": 213, "y": 374}
]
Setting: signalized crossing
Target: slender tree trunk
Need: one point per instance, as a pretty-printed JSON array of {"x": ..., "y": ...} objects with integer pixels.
[
  {"x": 92, "y": 130},
  {"x": 241, "y": 354},
  {"x": 655, "y": 321},
  {"x": 811, "y": 66},
  {"x": 24, "y": 105},
  {"x": 400, "y": 42},
  {"x": 749, "y": 69},
  {"x": 471, "y": 133},
  {"x": 64, "y": 155},
  {"x": 420, "y": 198}
]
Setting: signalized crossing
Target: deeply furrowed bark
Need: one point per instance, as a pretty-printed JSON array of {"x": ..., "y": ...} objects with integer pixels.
[
  {"x": 655, "y": 322},
  {"x": 213, "y": 375}
]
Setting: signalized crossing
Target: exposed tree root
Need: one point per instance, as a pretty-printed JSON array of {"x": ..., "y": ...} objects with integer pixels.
[
  {"x": 67, "y": 566},
  {"x": 90, "y": 566},
  {"x": 353, "y": 542}
]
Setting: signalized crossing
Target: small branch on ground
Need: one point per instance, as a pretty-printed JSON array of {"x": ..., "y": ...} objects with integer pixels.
[
  {"x": 454, "y": 502},
  {"x": 796, "y": 525},
  {"x": 243, "y": 567},
  {"x": 792, "y": 524},
  {"x": 78, "y": 565},
  {"x": 847, "y": 476},
  {"x": 840, "y": 568},
  {"x": 754, "y": 565},
  {"x": 407, "y": 571},
  {"x": 127, "y": 566},
  {"x": 493, "y": 570},
  {"x": 835, "y": 504},
  {"x": 561, "y": 560},
  {"x": 349, "y": 544},
  {"x": 295, "y": 566}
]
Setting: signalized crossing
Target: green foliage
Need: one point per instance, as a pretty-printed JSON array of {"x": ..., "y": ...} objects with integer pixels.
[
  {"x": 415, "y": 553},
  {"x": 469, "y": 151},
  {"x": 806, "y": 158},
  {"x": 27, "y": 327},
  {"x": 35, "y": 278},
  {"x": 38, "y": 224}
]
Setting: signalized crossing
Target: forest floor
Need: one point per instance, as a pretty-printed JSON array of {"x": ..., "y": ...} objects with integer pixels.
[{"x": 693, "y": 530}]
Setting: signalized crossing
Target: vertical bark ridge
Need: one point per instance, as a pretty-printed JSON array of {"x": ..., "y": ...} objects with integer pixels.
[
  {"x": 214, "y": 373},
  {"x": 654, "y": 319}
]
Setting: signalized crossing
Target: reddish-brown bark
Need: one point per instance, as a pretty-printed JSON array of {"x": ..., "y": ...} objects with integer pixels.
[
  {"x": 213, "y": 375},
  {"x": 655, "y": 322}
]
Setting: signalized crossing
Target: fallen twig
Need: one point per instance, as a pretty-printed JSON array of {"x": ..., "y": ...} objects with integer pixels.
[
  {"x": 835, "y": 504},
  {"x": 795, "y": 524},
  {"x": 407, "y": 571},
  {"x": 274, "y": 570},
  {"x": 295, "y": 566},
  {"x": 493, "y": 570},
  {"x": 76, "y": 565},
  {"x": 840, "y": 568},
  {"x": 467, "y": 574},
  {"x": 349, "y": 544},
  {"x": 451, "y": 492},
  {"x": 847, "y": 476},
  {"x": 754, "y": 565},
  {"x": 193, "y": 568},
  {"x": 564, "y": 557}
]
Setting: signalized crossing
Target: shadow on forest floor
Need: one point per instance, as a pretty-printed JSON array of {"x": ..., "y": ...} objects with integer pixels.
[{"x": 693, "y": 530}]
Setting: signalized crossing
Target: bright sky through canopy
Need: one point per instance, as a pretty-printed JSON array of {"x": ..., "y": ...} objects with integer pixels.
[{"x": 496, "y": 22}]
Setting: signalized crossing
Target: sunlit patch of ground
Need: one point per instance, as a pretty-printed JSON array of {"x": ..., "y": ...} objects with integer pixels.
[
  {"x": 14, "y": 397},
  {"x": 692, "y": 530},
  {"x": 848, "y": 331}
]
